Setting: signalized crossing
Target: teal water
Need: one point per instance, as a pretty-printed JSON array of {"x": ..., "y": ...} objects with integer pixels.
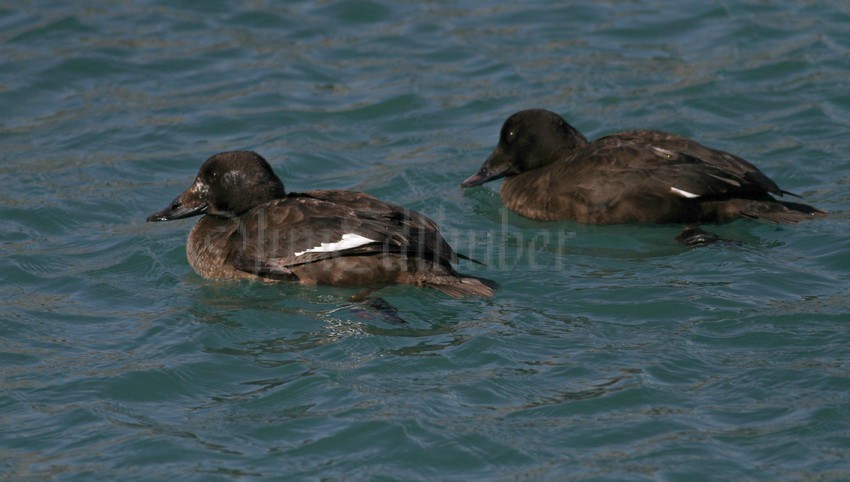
[{"x": 609, "y": 353}]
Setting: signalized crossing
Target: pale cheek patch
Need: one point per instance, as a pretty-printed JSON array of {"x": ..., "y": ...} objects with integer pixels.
[
  {"x": 682, "y": 193},
  {"x": 348, "y": 241},
  {"x": 200, "y": 189}
]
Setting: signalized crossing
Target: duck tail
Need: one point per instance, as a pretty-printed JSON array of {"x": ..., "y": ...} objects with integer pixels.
[
  {"x": 783, "y": 212},
  {"x": 463, "y": 286},
  {"x": 467, "y": 258}
]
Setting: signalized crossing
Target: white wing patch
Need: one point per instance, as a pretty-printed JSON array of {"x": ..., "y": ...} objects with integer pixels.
[
  {"x": 682, "y": 193},
  {"x": 348, "y": 241},
  {"x": 664, "y": 152},
  {"x": 726, "y": 180}
]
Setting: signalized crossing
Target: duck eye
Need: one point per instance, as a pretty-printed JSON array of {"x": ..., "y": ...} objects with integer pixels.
[{"x": 510, "y": 135}]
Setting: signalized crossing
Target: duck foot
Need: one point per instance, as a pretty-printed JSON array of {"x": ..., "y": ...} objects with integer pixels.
[
  {"x": 365, "y": 307},
  {"x": 693, "y": 237}
]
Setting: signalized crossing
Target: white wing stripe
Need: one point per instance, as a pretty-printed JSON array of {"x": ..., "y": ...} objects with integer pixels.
[
  {"x": 348, "y": 241},
  {"x": 664, "y": 152},
  {"x": 682, "y": 193}
]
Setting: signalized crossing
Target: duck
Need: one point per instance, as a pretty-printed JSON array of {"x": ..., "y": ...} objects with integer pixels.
[
  {"x": 552, "y": 173},
  {"x": 251, "y": 228}
]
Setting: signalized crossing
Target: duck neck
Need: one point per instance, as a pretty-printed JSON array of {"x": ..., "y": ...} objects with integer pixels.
[{"x": 209, "y": 247}]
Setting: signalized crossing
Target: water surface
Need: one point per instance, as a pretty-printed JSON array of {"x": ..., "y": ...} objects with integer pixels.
[{"x": 608, "y": 352}]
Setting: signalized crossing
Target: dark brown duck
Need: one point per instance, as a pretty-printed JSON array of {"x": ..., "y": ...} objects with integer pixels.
[
  {"x": 553, "y": 173},
  {"x": 252, "y": 229}
]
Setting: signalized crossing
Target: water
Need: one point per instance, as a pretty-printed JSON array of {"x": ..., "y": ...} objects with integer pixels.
[{"x": 609, "y": 352}]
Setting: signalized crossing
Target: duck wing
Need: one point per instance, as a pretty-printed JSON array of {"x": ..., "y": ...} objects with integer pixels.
[
  {"x": 690, "y": 168},
  {"x": 317, "y": 225},
  {"x": 408, "y": 227}
]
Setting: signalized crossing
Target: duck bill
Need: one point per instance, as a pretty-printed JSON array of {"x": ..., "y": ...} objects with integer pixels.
[
  {"x": 182, "y": 207},
  {"x": 487, "y": 173}
]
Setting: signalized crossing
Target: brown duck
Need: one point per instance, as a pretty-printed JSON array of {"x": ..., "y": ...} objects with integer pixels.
[
  {"x": 553, "y": 173},
  {"x": 252, "y": 229}
]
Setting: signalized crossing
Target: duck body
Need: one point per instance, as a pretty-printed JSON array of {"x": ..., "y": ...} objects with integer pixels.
[
  {"x": 642, "y": 176},
  {"x": 252, "y": 229}
]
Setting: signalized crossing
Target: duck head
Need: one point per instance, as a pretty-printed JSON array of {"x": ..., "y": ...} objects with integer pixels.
[
  {"x": 530, "y": 139},
  {"x": 228, "y": 184}
]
